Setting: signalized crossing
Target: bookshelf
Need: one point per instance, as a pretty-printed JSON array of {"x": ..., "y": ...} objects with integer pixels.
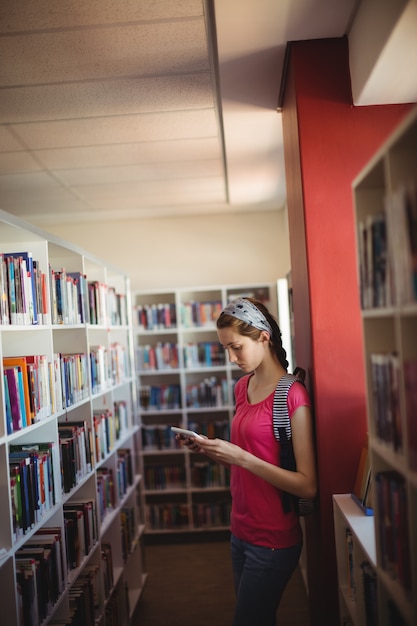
[
  {"x": 184, "y": 379},
  {"x": 385, "y": 196},
  {"x": 71, "y": 529}
]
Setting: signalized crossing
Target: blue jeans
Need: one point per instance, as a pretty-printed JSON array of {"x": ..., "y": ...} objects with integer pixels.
[{"x": 260, "y": 577}]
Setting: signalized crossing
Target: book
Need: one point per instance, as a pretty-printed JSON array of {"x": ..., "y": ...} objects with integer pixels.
[
  {"x": 362, "y": 491},
  {"x": 12, "y": 382},
  {"x": 21, "y": 363},
  {"x": 410, "y": 384},
  {"x": 24, "y": 269}
]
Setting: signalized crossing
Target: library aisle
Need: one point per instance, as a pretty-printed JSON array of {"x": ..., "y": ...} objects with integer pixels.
[{"x": 190, "y": 584}]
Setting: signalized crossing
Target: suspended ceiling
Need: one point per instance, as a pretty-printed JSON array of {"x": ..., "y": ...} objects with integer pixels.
[{"x": 152, "y": 108}]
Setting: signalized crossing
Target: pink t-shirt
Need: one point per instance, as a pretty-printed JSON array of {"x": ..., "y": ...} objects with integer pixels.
[{"x": 257, "y": 515}]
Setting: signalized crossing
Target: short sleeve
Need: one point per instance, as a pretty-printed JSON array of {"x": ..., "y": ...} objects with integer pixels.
[{"x": 297, "y": 396}]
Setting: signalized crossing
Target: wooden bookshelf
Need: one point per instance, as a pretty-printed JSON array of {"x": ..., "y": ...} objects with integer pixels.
[
  {"x": 79, "y": 423},
  {"x": 192, "y": 388},
  {"x": 385, "y": 195}
]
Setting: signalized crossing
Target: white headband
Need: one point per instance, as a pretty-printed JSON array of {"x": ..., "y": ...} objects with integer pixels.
[{"x": 247, "y": 312}]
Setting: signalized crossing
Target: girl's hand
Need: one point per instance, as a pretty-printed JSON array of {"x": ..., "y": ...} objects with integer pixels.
[{"x": 218, "y": 450}]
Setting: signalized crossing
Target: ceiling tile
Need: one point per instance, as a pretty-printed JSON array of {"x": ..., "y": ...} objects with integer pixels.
[
  {"x": 148, "y": 49},
  {"x": 128, "y": 153},
  {"x": 122, "y": 129},
  {"x": 50, "y": 200},
  {"x": 142, "y": 172},
  {"x": 42, "y": 14},
  {"x": 193, "y": 198},
  {"x": 8, "y": 141},
  {"x": 145, "y": 189},
  {"x": 18, "y": 162},
  {"x": 110, "y": 97},
  {"x": 26, "y": 181}
]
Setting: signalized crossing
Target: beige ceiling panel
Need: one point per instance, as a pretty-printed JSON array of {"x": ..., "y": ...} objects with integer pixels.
[
  {"x": 150, "y": 188},
  {"x": 27, "y": 181},
  {"x": 8, "y": 141},
  {"x": 119, "y": 130},
  {"x": 143, "y": 172},
  {"x": 104, "y": 52},
  {"x": 41, "y": 14},
  {"x": 196, "y": 198},
  {"x": 111, "y": 97},
  {"x": 128, "y": 153},
  {"x": 12, "y": 162},
  {"x": 47, "y": 200}
]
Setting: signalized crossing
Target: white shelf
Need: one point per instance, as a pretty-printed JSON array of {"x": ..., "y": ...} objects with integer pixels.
[
  {"x": 119, "y": 389},
  {"x": 190, "y": 498}
]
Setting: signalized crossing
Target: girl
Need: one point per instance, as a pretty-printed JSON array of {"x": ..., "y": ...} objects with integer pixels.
[{"x": 266, "y": 542}]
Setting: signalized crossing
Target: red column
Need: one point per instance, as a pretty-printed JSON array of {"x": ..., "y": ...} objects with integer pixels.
[{"x": 327, "y": 141}]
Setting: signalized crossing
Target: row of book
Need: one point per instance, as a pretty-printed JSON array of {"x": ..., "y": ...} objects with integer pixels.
[
  {"x": 23, "y": 290},
  {"x": 387, "y": 245},
  {"x": 410, "y": 385},
  {"x": 29, "y": 296},
  {"x": 106, "y": 493},
  {"x": 207, "y": 474},
  {"x": 394, "y": 540},
  {"x": 163, "y": 316},
  {"x": 76, "y": 452},
  {"x": 156, "y": 316},
  {"x": 387, "y": 416},
  {"x": 35, "y": 387},
  {"x": 39, "y": 575},
  {"x": 160, "y": 397},
  {"x": 104, "y": 432},
  {"x": 129, "y": 531},
  {"x": 196, "y": 314},
  {"x": 83, "y": 599},
  {"x": 109, "y": 366},
  {"x": 401, "y": 215},
  {"x": 167, "y": 516},
  {"x": 35, "y": 483},
  {"x": 211, "y": 514},
  {"x": 108, "y": 426},
  {"x": 124, "y": 471},
  {"x": 385, "y": 377},
  {"x": 161, "y": 357},
  {"x": 375, "y": 279},
  {"x": 160, "y": 436},
  {"x": 81, "y": 530},
  {"x": 78, "y": 442},
  {"x": 208, "y": 393},
  {"x": 176, "y": 516},
  {"x": 165, "y": 477},
  {"x": 204, "y": 354},
  {"x": 165, "y": 356},
  {"x": 370, "y": 593},
  {"x": 368, "y": 582}
]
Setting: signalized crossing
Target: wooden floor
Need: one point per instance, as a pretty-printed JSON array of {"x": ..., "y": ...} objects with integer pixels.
[{"x": 190, "y": 584}]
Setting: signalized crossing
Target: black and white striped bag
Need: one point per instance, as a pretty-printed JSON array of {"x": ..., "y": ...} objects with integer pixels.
[{"x": 282, "y": 432}]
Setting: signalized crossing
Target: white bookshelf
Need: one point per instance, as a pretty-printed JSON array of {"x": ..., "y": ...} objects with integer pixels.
[
  {"x": 194, "y": 496},
  {"x": 389, "y": 315},
  {"x": 114, "y": 601}
]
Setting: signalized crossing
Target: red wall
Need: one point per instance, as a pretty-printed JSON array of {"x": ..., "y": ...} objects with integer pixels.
[{"x": 327, "y": 142}]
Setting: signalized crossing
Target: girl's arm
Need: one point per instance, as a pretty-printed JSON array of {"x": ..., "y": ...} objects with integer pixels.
[{"x": 302, "y": 483}]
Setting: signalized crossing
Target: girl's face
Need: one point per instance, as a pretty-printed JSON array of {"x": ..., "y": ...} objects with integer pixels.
[{"x": 245, "y": 352}]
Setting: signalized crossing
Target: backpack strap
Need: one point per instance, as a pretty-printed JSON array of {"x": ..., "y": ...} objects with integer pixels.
[
  {"x": 282, "y": 428},
  {"x": 281, "y": 419}
]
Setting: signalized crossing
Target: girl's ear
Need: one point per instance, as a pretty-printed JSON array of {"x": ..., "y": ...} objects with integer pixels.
[{"x": 265, "y": 336}]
